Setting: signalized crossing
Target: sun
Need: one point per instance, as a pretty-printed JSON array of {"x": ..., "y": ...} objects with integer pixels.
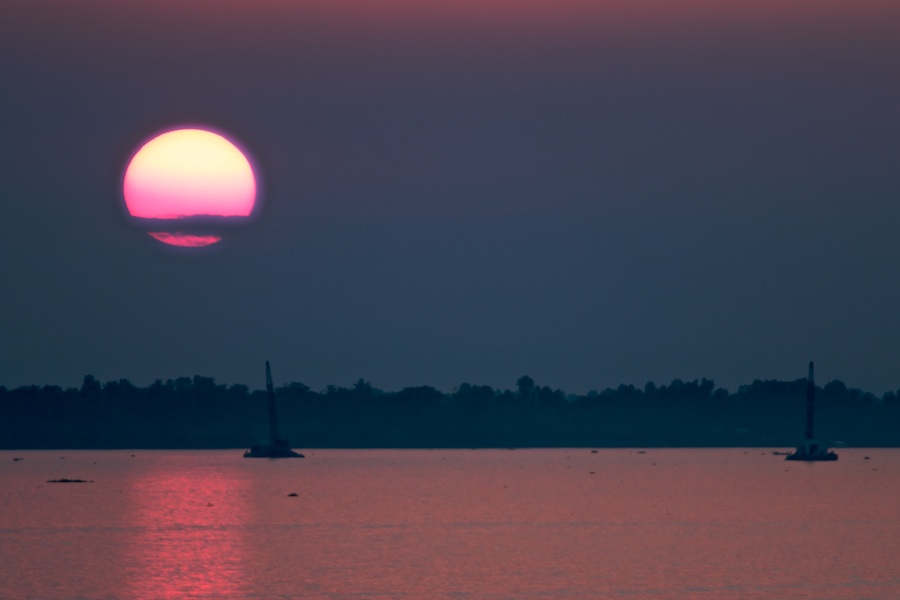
[{"x": 184, "y": 184}]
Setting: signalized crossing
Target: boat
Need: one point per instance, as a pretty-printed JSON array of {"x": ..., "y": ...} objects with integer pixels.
[
  {"x": 277, "y": 447},
  {"x": 811, "y": 449}
]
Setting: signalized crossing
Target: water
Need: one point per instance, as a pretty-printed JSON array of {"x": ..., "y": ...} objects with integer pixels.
[{"x": 448, "y": 524}]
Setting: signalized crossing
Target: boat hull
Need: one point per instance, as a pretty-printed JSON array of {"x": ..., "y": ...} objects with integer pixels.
[
  {"x": 280, "y": 449},
  {"x": 820, "y": 456}
]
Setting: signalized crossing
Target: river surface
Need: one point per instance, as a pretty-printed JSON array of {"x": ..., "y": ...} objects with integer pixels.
[{"x": 450, "y": 524}]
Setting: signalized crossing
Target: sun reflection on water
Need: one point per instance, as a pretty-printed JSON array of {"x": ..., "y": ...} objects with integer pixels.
[{"x": 190, "y": 539}]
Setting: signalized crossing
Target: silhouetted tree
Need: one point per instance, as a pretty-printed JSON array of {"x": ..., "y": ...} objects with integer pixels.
[
  {"x": 525, "y": 386},
  {"x": 473, "y": 395},
  {"x": 90, "y": 386}
]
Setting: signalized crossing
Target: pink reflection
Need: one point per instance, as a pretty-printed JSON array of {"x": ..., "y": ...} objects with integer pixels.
[
  {"x": 185, "y": 240},
  {"x": 189, "y": 535}
]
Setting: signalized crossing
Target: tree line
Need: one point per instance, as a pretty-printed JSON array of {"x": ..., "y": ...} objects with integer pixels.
[{"x": 197, "y": 412}]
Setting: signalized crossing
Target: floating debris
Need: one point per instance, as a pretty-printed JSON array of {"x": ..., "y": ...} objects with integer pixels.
[
  {"x": 593, "y": 452},
  {"x": 292, "y": 495},
  {"x": 17, "y": 458},
  {"x": 65, "y": 480}
]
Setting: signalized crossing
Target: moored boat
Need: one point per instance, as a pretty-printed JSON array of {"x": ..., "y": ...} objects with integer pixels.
[
  {"x": 811, "y": 449},
  {"x": 277, "y": 447}
]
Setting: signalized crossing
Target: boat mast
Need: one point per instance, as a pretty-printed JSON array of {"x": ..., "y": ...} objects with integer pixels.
[
  {"x": 810, "y": 402},
  {"x": 270, "y": 396}
]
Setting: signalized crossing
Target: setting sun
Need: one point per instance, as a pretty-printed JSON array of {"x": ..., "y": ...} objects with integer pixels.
[{"x": 188, "y": 174}]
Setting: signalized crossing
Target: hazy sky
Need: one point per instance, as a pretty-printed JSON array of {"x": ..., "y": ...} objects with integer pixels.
[{"x": 589, "y": 192}]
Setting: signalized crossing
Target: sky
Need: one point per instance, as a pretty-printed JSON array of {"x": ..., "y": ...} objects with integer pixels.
[{"x": 589, "y": 192}]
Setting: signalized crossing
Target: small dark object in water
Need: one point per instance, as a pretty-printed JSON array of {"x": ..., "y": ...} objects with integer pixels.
[
  {"x": 17, "y": 459},
  {"x": 866, "y": 458},
  {"x": 209, "y": 504},
  {"x": 593, "y": 452},
  {"x": 292, "y": 495},
  {"x": 64, "y": 480},
  {"x": 642, "y": 452}
]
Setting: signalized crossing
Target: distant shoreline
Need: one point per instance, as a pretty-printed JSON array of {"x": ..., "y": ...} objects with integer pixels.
[{"x": 199, "y": 414}]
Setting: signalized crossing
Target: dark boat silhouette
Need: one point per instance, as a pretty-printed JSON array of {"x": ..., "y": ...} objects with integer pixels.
[
  {"x": 811, "y": 449},
  {"x": 277, "y": 446}
]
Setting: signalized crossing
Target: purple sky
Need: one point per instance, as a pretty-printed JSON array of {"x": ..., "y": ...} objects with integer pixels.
[{"x": 587, "y": 192}]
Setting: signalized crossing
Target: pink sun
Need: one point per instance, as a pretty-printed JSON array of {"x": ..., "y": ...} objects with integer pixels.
[{"x": 186, "y": 175}]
